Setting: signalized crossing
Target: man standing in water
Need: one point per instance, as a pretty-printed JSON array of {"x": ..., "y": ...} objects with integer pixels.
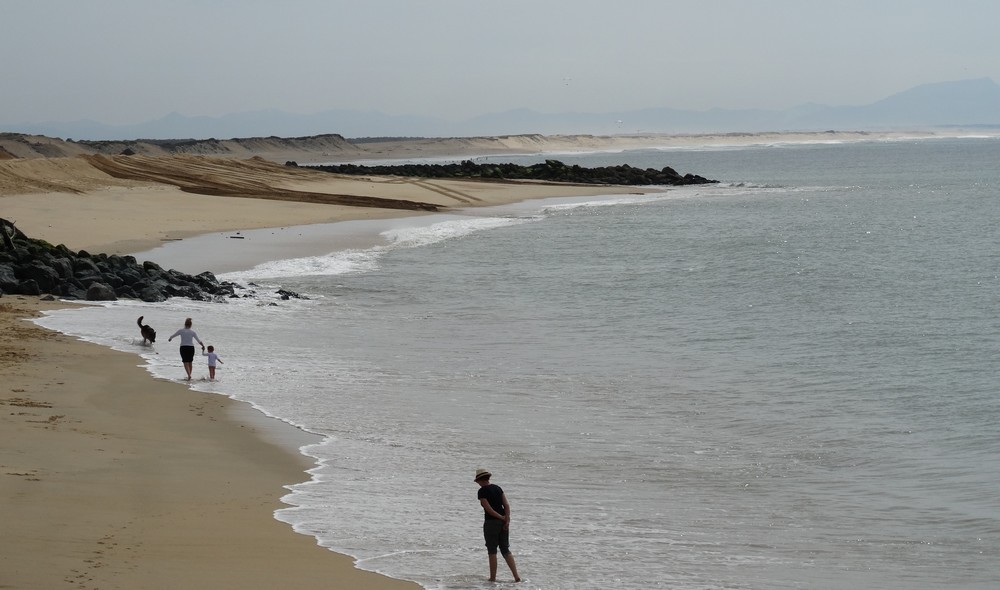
[{"x": 496, "y": 527}]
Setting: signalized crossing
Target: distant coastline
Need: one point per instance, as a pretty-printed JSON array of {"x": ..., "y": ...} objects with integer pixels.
[{"x": 333, "y": 148}]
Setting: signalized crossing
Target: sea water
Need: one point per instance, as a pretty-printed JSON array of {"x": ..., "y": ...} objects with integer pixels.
[{"x": 787, "y": 380}]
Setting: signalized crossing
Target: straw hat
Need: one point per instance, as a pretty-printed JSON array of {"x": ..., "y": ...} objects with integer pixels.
[{"x": 481, "y": 473}]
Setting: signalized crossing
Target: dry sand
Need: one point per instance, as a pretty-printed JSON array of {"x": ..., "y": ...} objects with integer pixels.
[
  {"x": 73, "y": 202},
  {"x": 112, "y": 479}
]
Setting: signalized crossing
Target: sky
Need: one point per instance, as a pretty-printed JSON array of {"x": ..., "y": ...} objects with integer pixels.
[{"x": 127, "y": 61}]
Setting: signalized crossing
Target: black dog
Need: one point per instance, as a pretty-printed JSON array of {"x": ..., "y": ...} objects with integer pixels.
[{"x": 148, "y": 334}]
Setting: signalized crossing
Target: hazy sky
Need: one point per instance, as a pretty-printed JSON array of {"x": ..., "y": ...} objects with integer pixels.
[{"x": 128, "y": 61}]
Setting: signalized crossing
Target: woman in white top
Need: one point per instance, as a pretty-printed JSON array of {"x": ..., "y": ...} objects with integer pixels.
[{"x": 188, "y": 338}]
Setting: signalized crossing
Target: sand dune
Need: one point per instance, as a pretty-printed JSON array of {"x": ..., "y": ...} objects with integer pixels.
[
  {"x": 68, "y": 175},
  {"x": 254, "y": 178},
  {"x": 331, "y": 148}
]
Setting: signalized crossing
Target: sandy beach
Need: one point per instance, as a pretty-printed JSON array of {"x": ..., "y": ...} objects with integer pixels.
[{"x": 112, "y": 479}]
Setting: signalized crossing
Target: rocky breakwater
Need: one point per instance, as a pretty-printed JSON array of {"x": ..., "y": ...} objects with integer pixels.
[
  {"x": 547, "y": 171},
  {"x": 34, "y": 267}
]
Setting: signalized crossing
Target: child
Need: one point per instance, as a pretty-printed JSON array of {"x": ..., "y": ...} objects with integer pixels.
[{"x": 212, "y": 359}]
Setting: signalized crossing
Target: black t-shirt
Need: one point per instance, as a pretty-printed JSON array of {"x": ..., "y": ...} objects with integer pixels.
[{"x": 493, "y": 495}]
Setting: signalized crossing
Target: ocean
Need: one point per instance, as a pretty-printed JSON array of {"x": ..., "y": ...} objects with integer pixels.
[{"x": 783, "y": 381}]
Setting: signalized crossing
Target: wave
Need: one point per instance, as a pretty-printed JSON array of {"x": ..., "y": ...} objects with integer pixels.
[
  {"x": 366, "y": 260},
  {"x": 349, "y": 261},
  {"x": 620, "y": 200}
]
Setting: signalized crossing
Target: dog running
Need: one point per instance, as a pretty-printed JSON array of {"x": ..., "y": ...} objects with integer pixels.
[{"x": 148, "y": 333}]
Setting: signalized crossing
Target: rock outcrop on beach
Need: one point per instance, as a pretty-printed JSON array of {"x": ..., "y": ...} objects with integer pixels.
[
  {"x": 549, "y": 171},
  {"x": 35, "y": 267}
]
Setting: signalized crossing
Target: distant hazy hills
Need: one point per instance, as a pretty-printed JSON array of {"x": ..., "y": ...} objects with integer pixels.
[{"x": 965, "y": 103}]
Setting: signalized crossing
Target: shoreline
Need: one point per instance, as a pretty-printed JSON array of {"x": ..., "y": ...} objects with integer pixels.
[{"x": 112, "y": 478}]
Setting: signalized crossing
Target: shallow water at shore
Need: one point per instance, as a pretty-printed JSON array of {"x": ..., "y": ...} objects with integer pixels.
[{"x": 781, "y": 382}]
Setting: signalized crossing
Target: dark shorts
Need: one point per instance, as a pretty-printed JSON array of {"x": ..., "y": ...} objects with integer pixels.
[
  {"x": 187, "y": 354},
  {"x": 496, "y": 536}
]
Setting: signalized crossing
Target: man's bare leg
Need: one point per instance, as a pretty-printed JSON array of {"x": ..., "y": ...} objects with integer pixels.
[
  {"x": 493, "y": 567},
  {"x": 513, "y": 566}
]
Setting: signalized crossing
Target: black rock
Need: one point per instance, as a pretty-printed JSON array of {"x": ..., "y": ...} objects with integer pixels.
[
  {"x": 101, "y": 292},
  {"x": 550, "y": 170},
  {"x": 35, "y": 267}
]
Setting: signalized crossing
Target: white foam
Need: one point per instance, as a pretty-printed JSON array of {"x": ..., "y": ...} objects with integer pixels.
[
  {"x": 612, "y": 201},
  {"x": 343, "y": 262},
  {"x": 414, "y": 237},
  {"x": 366, "y": 260}
]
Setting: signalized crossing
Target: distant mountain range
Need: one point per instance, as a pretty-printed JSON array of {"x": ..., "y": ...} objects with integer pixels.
[{"x": 964, "y": 103}]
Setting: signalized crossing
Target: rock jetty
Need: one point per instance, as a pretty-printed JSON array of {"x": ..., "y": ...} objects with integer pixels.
[
  {"x": 548, "y": 171},
  {"x": 34, "y": 267}
]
